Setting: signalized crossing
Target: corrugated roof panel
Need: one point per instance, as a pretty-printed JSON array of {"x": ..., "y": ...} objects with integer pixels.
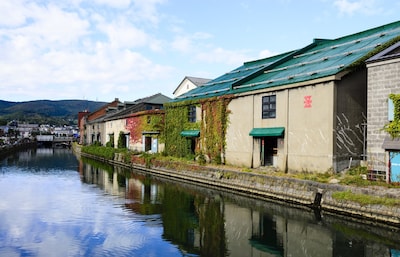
[
  {"x": 327, "y": 58},
  {"x": 222, "y": 85},
  {"x": 320, "y": 59}
]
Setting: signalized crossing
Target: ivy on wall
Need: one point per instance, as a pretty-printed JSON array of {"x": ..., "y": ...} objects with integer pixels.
[
  {"x": 176, "y": 120},
  {"x": 213, "y": 125},
  {"x": 135, "y": 127},
  {"x": 121, "y": 140},
  {"x": 145, "y": 121},
  {"x": 215, "y": 117},
  {"x": 393, "y": 128}
]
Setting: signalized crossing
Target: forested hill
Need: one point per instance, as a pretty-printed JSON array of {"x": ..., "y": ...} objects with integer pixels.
[{"x": 61, "y": 112}]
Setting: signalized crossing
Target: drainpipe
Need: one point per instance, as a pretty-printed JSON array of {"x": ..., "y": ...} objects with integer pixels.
[
  {"x": 252, "y": 140},
  {"x": 286, "y": 138}
]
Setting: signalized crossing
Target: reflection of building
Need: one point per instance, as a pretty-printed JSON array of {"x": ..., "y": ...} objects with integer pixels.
[
  {"x": 252, "y": 233},
  {"x": 249, "y": 233},
  {"x": 145, "y": 196},
  {"x": 206, "y": 224}
]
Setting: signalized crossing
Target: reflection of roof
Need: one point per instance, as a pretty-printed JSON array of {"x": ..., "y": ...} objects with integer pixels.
[
  {"x": 264, "y": 247},
  {"x": 320, "y": 59}
]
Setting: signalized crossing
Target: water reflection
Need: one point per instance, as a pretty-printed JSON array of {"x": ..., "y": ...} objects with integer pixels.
[
  {"x": 53, "y": 205},
  {"x": 206, "y": 222}
]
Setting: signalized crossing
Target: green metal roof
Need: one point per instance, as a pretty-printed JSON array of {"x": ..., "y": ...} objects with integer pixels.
[
  {"x": 222, "y": 84},
  {"x": 190, "y": 133},
  {"x": 320, "y": 59},
  {"x": 267, "y": 132}
]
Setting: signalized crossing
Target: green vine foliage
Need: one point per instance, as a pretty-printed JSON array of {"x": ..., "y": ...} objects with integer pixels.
[
  {"x": 146, "y": 121},
  {"x": 213, "y": 125},
  {"x": 155, "y": 122},
  {"x": 393, "y": 128},
  {"x": 121, "y": 140},
  {"x": 176, "y": 120}
]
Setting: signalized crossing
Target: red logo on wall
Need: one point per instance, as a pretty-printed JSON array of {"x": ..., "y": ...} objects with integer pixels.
[{"x": 307, "y": 101}]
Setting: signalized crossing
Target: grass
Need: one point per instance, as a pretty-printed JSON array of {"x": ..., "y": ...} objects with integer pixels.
[
  {"x": 365, "y": 199},
  {"x": 354, "y": 177}
]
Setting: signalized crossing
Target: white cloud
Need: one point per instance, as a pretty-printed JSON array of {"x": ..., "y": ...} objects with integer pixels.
[
  {"x": 146, "y": 10},
  {"x": 54, "y": 52},
  {"x": 266, "y": 53},
  {"x": 114, "y": 3},
  {"x": 12, "y": 13},
  {"x": 348, "y": 7},
  {"x": 182, "y": 44},
  {"x": 123, "y": 34},
  {"x": 189, "y": 43},
  {"x": 220, "y": 55}
]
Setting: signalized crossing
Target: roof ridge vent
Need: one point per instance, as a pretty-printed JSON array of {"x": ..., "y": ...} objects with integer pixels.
[{"x": 318, "y": 40}]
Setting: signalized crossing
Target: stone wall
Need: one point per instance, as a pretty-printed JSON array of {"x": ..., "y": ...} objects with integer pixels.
[
  {"x": 317, "y": 196},
  {"x": 383, "y": 79}
]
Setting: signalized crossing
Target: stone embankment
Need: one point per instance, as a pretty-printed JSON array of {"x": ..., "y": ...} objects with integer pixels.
[
  {"x": 9, "y": 149},
  {"x": 317, "y": 196}
]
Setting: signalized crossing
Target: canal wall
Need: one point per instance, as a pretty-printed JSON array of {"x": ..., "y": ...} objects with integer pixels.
[
  {"x": 9, "y": 149},
  {"x": 315, "y": 195}
]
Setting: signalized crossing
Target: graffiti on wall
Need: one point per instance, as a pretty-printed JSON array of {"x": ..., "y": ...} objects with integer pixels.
[{"x": 349, "y": 136}]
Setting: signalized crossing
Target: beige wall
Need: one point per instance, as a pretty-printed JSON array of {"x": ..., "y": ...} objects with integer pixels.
[
  {"x": 95, "y": 128},
  {"x": 185, "y": 86},
  {"x": 114, "y": 127},
  {"x": 307, "y": 144},
  {"x": 239, "y": 145},
  {"x": 310, "y": 130}
]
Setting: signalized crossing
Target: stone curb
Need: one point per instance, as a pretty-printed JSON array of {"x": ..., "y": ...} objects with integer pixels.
[{"x": 300, "y": 192}]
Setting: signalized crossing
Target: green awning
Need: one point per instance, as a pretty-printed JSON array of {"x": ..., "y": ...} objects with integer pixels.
[
  {"x": 267, "y": 132},
  {"x": 190, "y": 133}
]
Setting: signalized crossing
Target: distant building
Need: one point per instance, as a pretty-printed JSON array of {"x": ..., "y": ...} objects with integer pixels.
[
  {"x": 91, "y": 130},
  {"x": 187, "y": 84},
  {"x": 139, "y": 124}
]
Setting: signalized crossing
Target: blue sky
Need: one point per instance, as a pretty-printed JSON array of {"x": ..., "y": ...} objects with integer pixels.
[{"x": 129, "y": 49}]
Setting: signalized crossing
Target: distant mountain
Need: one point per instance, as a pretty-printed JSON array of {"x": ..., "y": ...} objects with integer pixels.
[{"x": 45, "y": 111}]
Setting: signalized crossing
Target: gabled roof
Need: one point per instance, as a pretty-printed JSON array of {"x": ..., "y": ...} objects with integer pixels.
[
  {"x": 198, "y": 81},
  {"x": 322, "y": 58},
  {"x": 139, "y": 105},
  {"x": 153, "y": 99},
  {"x": 195, "y": 80},
  {"x": 102, "y": 110},
  {"x": 391, "y": 52}
]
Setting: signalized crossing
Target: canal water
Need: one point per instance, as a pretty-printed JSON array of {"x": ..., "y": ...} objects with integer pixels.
[{"x": 52, "y": 204}]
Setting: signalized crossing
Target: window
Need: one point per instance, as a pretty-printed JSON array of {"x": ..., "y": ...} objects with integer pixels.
[
  {"x": 269, "y": 107},
  {"x": 390, "y": 110},
  {"x": 148, "y": 119},
  {"x": 192, "y": 113}
]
